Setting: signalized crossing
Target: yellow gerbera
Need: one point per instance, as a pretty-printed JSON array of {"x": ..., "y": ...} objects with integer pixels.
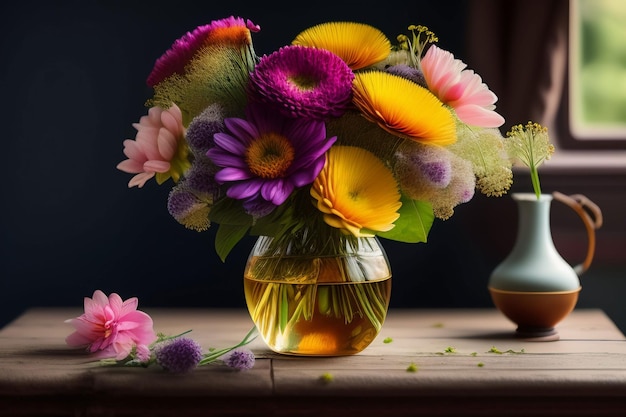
[
  {"x": 358, "y": 44},
  {"x": 403, "y": 108},
  {"x": 356, "y": 192}
]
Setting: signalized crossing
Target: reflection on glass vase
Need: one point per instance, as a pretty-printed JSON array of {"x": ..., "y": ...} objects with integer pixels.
[{"x": 317, "y": 293}]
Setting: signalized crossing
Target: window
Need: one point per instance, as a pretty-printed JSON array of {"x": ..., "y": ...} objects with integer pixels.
[{"x": 593, "y": 113}]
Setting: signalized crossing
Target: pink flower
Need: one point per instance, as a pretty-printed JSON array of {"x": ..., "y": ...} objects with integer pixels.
[
  {"x": 112, "y": 327},
  {"x": 158, "y": 149},
  {"x": 230, "y": 31},
  {"x": 460, "y": 88}
]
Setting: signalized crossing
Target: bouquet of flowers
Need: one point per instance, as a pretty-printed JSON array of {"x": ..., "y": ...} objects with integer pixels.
[{"x": 340, "y": 130}]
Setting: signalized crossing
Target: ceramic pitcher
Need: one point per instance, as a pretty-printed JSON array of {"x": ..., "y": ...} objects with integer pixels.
[
  {"x": 535, "y": 264},
  {"x": 534, "y": 286}
]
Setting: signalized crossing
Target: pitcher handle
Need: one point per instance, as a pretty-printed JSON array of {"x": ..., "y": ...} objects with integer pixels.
[{"x": 591, "y": 215}]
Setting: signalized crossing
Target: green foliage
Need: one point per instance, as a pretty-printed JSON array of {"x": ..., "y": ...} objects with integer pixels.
[
  {"x": 413, "y": 225},
  {"x": 227, "y": 237},
  {"x": 416, "y": 219},
  {"x": 233, "y": 222}
]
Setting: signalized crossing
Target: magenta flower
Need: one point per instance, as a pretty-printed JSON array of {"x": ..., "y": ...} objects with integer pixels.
[
  {"x": 230, "y": 31},
  {"x": 265, "y": 157},
  {"x": 112, "y": 327},
  {"x": 159, "y": 148},
  {"x": 460, "y": 88},
  {"x": 303, "y": 82}
]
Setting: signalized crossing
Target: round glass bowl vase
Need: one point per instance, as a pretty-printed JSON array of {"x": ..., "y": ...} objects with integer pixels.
[{"x": 317, "y": 295}]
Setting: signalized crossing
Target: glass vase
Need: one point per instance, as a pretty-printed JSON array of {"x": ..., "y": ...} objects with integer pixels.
[{"x": 317, "y": 293}]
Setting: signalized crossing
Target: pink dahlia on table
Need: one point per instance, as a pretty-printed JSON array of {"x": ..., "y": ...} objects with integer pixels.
[
  {"x": 460, "y": 88},
  {"x": 265, "y": 157},
  {"x": 111, "y": 328}
]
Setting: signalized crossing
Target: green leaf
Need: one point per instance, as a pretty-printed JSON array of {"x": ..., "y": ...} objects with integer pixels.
[
  {"x": 275, "y": 223},
  {"x": 234, "y": 224},
  {"x": 229, "y": 211},
  {"x": 416, "y": 219},
  {"x": 227, "y": 237}
]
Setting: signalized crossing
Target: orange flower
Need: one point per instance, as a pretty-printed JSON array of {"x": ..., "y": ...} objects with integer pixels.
[
  {"x": 356, "y": 192},
  {"x": 403, "y": 108},
  {"x": 358, "y": 44}
]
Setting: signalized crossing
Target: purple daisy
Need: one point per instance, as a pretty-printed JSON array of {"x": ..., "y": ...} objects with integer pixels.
[
  {"x": 265, "y": 157},
  {"x": 231, "y": 30},
  {"x": 303, "y": 82}
]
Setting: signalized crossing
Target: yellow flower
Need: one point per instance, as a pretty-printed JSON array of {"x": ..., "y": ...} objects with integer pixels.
[
  {"x": 403, "y": 108},
  {"x": 356, "y": 192},
  {"x": 358, "y": 44}
]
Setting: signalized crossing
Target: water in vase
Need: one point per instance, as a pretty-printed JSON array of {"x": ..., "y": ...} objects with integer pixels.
[{"x": 312, "y": 307}]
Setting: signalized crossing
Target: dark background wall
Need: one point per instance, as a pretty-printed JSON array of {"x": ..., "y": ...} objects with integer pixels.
[{"x": 73, "y": 80}]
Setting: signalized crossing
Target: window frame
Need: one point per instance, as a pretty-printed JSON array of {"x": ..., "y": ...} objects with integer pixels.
[{"x": 567, "y": 137}]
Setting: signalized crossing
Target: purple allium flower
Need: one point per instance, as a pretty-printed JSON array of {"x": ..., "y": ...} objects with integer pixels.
[
  {"x": 201, "y": 177},
  {"x": 241, "y": 359},
  {"x": 408, "y": 72},
  {"x": 180, "y": 355},
  {"x": 232, "y": 30},
  {"x": 430, "y": 163},
  {"x": 437, "y": 172},
  {"x": 267, "y": 156},
  {"x": 303, "y": 82},
  {"x": 202, "y": 128},
  {"x": 190, "y": 207}
]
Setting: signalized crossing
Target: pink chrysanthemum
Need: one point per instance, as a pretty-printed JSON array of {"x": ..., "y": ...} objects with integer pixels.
[
  {"x": 267, "y": 156},
  {"x": 232, "y": 30},
  {"x": 158, "y": 149},
  {"x": 303, "y": 82},
  {"x": 460, "y": 88},
  {"x": 112, "y": 327}
]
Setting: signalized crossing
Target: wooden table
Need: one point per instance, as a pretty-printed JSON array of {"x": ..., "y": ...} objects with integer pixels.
[{"x": 458, "y": 372}]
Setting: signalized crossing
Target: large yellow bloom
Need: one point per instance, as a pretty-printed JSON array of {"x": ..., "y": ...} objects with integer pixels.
[
  {"x": 403, "y": 108},
  {"x": 358, "y": 44},
  {"x": 356, "y": 192}
]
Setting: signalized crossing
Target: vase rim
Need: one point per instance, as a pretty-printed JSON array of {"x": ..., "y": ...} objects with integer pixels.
[{"x": 523, "y": 196}]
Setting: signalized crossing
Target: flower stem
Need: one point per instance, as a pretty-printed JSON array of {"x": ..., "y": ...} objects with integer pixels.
[
  {"x": 534, "y": 177},
  {"x": 213, "y": 356}
]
